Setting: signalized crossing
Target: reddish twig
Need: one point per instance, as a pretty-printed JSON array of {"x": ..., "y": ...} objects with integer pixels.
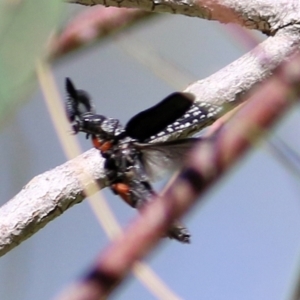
[{"x": 91, "y": 25}]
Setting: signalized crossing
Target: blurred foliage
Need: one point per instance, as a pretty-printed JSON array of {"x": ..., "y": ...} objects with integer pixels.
[{"x": 25, "y": 28}]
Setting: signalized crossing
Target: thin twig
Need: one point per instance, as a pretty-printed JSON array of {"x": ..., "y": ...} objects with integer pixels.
[{"x": 93, "y": 25}]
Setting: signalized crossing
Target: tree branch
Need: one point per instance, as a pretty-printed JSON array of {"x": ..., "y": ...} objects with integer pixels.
[
  {"x": 46, "y": 197},
  {"x": 228, "y": 87},
  {"x": 91, "y": 25},
  {"x": 264, "y": 15}
]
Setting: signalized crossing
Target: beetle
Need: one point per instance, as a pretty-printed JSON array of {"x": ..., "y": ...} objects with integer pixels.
[{"x": 132, "y": 158}]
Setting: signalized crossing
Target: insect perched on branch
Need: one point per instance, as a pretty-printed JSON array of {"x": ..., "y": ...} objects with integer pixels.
[{"x": 132, "y": 159}]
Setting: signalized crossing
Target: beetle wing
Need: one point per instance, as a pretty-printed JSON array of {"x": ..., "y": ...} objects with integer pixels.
[
  {"x": 153, "y": 120},
  {"x": 160, "y": 158}
]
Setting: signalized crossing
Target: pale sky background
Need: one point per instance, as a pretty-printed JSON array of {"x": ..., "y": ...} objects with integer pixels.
[{"x": 245, "y": 235}]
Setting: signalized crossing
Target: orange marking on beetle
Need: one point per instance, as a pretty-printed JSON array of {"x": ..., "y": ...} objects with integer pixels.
[
  {"x": 97, "y": 143},
  {"x": 122, "y": 190},
  {"x": 105, "y": 146}
]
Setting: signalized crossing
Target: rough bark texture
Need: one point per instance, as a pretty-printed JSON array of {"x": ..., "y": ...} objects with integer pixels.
[
  {"x": 46, "y": 197},
  {"x": 267, "y": 16}
]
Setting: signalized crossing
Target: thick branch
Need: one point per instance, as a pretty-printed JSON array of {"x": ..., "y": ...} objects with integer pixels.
[
  {"x": 265, "y": 15},
  {"x": 237, "y": 78},
  {"x": 227, "y": 87},
  {"x": 207, "y": 163},
  {"x": 46, "y": 197}
]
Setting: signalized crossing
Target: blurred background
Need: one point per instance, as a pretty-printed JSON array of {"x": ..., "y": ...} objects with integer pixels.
[{"x": 246, "y": 231}]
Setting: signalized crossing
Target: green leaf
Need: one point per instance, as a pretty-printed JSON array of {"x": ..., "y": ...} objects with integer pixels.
[{"x": 25, "y": 28}]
